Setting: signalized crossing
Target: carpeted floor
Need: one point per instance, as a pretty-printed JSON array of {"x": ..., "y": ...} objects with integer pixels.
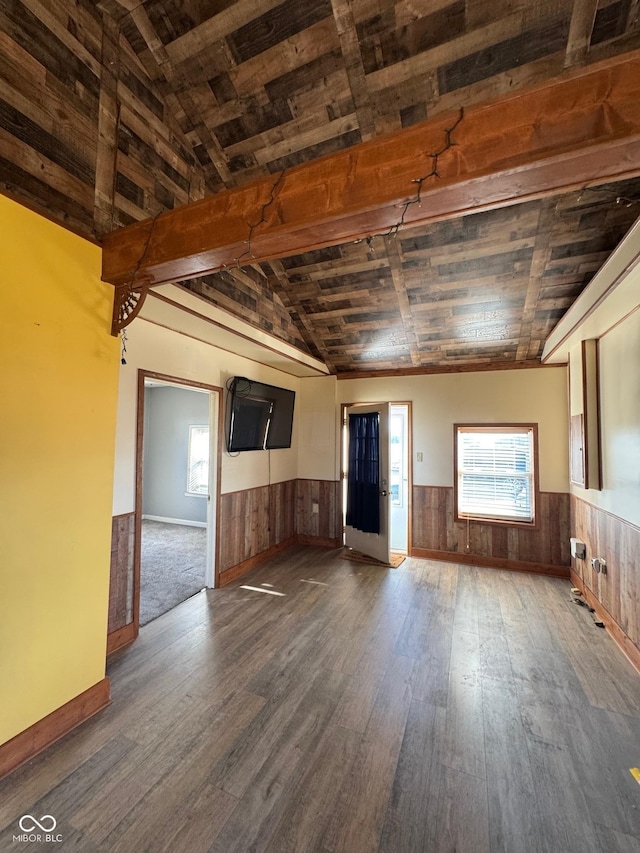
[{"x": 172, "y": 567}]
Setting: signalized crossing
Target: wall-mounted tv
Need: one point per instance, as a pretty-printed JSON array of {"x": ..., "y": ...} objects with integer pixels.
[{"x": 259, "y": 416}]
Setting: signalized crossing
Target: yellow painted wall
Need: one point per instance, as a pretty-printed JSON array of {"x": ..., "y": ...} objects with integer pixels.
[{"x": 58, "y": 392}]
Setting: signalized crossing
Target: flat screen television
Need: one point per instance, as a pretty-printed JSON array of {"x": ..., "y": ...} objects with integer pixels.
[{"x": 259, "y": 416}]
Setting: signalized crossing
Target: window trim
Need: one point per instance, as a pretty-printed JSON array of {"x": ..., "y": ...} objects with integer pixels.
[
  {"x": 188, "y": 492},
  {"x": 477, "y": 519}
]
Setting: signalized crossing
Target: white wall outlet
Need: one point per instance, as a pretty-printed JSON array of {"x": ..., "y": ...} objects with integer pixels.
[
  {"x": 315, "y": 508},
  {"x": 420, "y": 456},
  {"x": 578, "y": 549}
]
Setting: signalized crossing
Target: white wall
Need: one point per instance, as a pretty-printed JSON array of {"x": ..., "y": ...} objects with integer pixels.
[
  {"x": 619, "y": 370},
  {"x": 439, "y": 401},
  {"x": 502, "y": 396},
  {"x": 317, "y": 429},
  {"x": 154, "y": 348}
]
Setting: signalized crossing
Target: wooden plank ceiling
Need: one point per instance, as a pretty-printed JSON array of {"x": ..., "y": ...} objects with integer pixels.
[
  {"x": 261, "y": 85},
  {"x": 487, "y": 287},
  {"x": 115, "y": 110}
]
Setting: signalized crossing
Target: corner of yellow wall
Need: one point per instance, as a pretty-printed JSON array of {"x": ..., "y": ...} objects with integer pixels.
[{"x": 57, "y": 433}]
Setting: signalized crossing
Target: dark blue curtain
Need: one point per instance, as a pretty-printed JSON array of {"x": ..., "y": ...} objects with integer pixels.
[{"x": 363, "y": 483}]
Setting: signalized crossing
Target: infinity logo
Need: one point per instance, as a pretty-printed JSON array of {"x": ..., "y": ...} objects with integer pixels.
[{"x": 28, "y": 823}]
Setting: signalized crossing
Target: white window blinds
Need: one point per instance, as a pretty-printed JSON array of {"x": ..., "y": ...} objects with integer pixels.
[{"x": 496, "y": 473}]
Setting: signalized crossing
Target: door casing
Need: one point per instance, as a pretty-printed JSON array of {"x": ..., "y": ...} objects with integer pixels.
[
  {"x": 343, "y": 461},
  {"x": 129, "y": 632}
]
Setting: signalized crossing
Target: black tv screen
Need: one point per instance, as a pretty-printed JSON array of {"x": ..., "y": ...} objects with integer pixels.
[{"x": 259, "y": 416}]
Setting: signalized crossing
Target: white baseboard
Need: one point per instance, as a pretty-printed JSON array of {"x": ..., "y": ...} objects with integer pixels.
[{"x": 184, "y": 521}]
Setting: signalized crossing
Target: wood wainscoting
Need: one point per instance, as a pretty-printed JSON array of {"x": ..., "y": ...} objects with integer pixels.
[
  {"x": 616, "y": 594},
  {"x": 253, "y": 521},
  {"x": 120, "y": 629},
  {"x": 257, "y": 523},
  {"x": 254, "y": 525},
  {"x": 323, "y": 527},
  {"x": 544, "y": 548}
]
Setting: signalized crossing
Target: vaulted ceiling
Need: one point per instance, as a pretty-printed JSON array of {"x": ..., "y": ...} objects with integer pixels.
[
  {"x": 262, "y": 85},
  {"x": 487, "y": 287},
  {"x": 208, "y": 95}
]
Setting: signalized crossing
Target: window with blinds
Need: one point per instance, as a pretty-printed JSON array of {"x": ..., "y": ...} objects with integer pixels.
[
  {"x": 198, "y": 461},
  {"x": 495, "y": 472}
]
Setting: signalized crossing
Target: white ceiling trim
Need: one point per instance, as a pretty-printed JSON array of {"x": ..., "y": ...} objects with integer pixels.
[{"x": 611, "y": 295}]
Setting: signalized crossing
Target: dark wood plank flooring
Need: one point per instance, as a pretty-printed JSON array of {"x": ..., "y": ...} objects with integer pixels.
[{"x": 433, "y": 707}]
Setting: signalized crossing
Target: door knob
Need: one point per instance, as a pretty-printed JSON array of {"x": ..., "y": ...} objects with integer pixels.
[{"x": 384, "y": 493}]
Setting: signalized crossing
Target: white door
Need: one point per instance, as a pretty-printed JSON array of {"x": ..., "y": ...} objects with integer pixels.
[{"x": 376, "y": 545}]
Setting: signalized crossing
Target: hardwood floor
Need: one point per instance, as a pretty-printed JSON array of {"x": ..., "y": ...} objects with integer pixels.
[{"x": 433, "y": 707}]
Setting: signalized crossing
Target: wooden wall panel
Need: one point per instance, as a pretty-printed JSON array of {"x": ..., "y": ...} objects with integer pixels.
[
  {"x": 256, "y": 521},
  {"x": 244, "y": 522},
  {"x": 121, "y": 574},
  {"x": 618, "y": 542},
  {"x": 326, "y": 524},
  {"x": 282, "y": 511},
  {"x": 434, "y": 529}
]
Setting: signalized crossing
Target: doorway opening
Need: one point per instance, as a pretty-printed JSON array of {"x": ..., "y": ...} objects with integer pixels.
[
  {"x": 177, "y": 488},
  {"x": 399, "y": 477},
  {"x": 385, "y": 528}
]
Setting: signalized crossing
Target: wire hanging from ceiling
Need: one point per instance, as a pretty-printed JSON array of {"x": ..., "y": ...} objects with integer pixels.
[
  {"x": 248, "y": 253},
  {"x": 432, "y": 173}
]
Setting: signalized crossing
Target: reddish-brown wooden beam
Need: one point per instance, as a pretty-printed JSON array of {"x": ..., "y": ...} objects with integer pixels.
[{"x": 582, "y": 128}]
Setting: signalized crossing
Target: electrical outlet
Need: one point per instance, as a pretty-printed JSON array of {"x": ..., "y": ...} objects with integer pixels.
[
  {"x": 420, "y": 456},
  {"x": 315, "y": 508},
  {"x": 578, "y": 549}
]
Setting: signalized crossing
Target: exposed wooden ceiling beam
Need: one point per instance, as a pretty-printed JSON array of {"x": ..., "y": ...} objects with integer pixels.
[
  {"x": 582, "y": 20},
  {"x": 395, "y": 266},
  {"x": 541, "y": 254},
  {"x": 350, "y": 47},
  {"x": 171, "y": 75},
  {"x": 582, "y": 128}
]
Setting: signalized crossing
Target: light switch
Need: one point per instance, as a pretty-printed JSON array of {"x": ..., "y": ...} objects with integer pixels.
[{"x": 420, "y": 456}]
